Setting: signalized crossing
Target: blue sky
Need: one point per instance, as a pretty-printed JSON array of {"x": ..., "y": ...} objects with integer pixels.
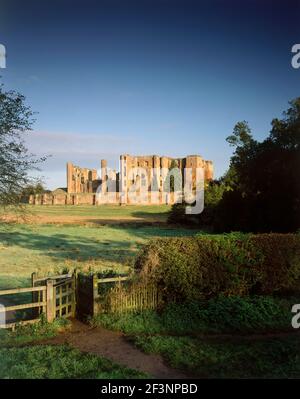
[{"x": 164, "y": 77}]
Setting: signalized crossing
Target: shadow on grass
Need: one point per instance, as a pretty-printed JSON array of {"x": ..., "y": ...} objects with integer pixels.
[
  {"x": 75, "y": 244},
  {"x": 161, "y": 216},
  {"x": 82, "y": 248}
]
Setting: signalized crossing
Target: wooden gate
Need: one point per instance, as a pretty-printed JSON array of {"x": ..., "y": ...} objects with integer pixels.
[
  {"x": 64, "y": 298},
  {"x": 61, "y": 295}
]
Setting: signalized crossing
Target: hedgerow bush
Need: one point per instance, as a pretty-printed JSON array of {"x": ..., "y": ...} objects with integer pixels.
[{"x": 188, "y": 268}]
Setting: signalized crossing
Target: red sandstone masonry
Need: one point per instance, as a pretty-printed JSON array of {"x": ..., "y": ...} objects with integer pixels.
[{"x": 82, "y": 183}]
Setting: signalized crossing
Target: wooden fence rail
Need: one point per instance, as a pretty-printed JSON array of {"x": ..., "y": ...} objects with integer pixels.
[
  {"x": 57, "y": 277},
  {"x": 51, "y": 297},
  {"x": 21, "y": 290},
  {"x": 111, "y": 279},
  {"x": 32, "y": 305},
  {"x": 22, "y": 307}
]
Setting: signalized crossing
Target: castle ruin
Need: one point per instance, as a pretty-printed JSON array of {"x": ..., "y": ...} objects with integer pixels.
[{"x": 146, "y": 176}]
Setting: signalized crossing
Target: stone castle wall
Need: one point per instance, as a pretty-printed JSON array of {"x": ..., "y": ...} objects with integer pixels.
[
  {"x": 81, "y": 180},
  {"x": 138, "y": 173},
  {"x": 63, "y": 199}
]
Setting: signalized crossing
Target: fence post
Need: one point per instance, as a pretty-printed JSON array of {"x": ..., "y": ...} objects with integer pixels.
[
  {"x": 74, "y": 288},
  {"x": 50, "y": 301},
  {"x": 33, "y": 278},
  {"x": 95, "y": 293},
  {"x": 35, "y": 295}
]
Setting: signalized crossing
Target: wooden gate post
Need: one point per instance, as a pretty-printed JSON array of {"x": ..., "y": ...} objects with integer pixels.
[
  {"x": 33, "y": 277},
  {"x": 95, "y": 293},
  {"x": 50, "y": 301},
  {"x": 74, "y": 294},
  {"x": 35, "y": 296}
]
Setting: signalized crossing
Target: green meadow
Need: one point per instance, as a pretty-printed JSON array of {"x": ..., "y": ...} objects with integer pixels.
[
  {"x": 144, "y": 213},
  {"x": 53, "y": 247}
]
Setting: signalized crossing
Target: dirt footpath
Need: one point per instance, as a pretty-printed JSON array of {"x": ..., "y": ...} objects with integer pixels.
[{"x": 113, "y": 346}]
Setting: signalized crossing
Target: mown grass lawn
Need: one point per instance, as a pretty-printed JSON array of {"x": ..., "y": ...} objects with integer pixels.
[{"x": 25, "y": 248}]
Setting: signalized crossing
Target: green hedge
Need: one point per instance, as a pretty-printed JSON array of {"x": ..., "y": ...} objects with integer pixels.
[{"x": 205, "y": 266}]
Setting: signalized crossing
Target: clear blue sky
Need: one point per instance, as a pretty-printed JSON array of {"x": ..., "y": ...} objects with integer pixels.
[{"x": 164, "y": 77}]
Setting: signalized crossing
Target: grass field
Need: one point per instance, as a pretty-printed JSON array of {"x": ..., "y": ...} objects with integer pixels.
[
  {"x": 87, "y": 214},
  {"x": 29, "y": 247},
  {"x": 108, "y": 211}
]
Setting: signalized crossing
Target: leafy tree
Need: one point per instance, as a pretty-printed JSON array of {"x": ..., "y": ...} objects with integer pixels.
[
  {"x": 266, "y": 194},
  {"x": 213, "y": 193},
  {"x": 33, "y": 189},
  {"x": 261, "y": 190},
  {"x": 16, "y": 119}
]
